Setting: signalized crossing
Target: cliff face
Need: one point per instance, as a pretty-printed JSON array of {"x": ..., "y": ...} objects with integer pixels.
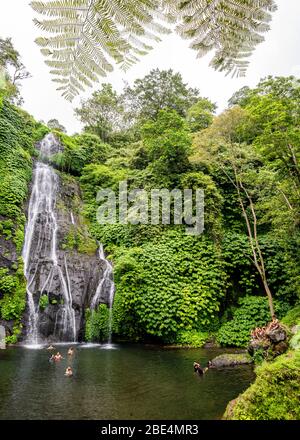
[{"x": 62, "y": 264}]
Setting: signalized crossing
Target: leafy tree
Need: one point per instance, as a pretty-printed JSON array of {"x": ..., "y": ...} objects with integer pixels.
[
  {"x": 103, "y": 113},
  {"x": 168, "y": 143},
  {"x": 54, "y": 124},
  {"x": 12, "y": 70},
  {"x": 272, "y": 127},
  {"x": 83, "y": 44},
  {"x": 241, "y": 165},
  {"x": 80, "y": 151},
  {"x": 200, "y": 115},
  {"x": 159, "y": 90}
]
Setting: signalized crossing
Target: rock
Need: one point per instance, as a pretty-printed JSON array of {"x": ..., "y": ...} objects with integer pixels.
[
  {"x": 230, "y": 360},
  {"x": 2, "y": 337},
  {"x": 280, "y": 348},
  {"x": 79, "y": 269},
  {"x": 277, "y": 335},
  {"x": 258, "y": 344},
  {"x": 211, "y": 343},
  {"x": 295, "y": 329}
]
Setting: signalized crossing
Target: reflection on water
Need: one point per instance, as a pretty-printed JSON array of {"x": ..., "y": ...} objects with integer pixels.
[{"x": 115, "y": 382}]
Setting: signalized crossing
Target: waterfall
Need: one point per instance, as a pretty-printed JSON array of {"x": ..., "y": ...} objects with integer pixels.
[
  {"x": 105, "y": 283},
  {"x": 40, "y": 249}
]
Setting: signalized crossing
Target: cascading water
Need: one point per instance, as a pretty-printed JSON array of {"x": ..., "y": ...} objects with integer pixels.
[
  {"x": 40, "y": 250},
  {"x": 105, "y": 284}
]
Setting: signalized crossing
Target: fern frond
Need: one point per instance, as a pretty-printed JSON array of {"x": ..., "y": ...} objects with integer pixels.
[
  {"x": 231, "y": 27},
  {"x": 85, "y": 38}
]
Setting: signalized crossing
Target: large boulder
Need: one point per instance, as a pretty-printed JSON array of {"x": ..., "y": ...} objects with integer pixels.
[
  {"x": 277, "y": 335},
  {"x": 231, "y": 359}
]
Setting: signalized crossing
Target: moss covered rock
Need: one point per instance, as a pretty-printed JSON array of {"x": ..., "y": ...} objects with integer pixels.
[
  {"x": 231, "y": 359},
  {"x": 274, "y": 395}
]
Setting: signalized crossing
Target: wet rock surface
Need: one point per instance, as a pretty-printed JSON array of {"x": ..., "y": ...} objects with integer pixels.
[
  {"x": 231, "y": 359},
  {"x": 62, "y": 258}
]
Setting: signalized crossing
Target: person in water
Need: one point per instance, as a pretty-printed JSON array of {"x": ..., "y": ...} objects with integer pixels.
[
  {"x": 58, "y": 357},
  {"x": 199, "y": 369},
  {"x": 50, "y": 348},
  {"x": 69, "y": 372},
  {"x": 71, "y": 351}
]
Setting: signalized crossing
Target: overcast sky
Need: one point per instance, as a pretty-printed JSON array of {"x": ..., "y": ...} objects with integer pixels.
[{"x": 278, "y": 55}]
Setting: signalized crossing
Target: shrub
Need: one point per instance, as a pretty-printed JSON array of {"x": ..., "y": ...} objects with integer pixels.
[
  {"x": 191, "y": 338},
  {"x": 44, "y": 301},
  {"x": 96, "y": 328},
  {"x": 274, "y": 394},
  {"x": 253, "y": 312},
  {"x": 169, "y": 286},
  {"x": 292, "y": 317}
]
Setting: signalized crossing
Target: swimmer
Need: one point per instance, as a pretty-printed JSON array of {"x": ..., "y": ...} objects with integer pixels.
[
  {"x": 58, "y": 357},
  {"x": 69, "y": 372}
]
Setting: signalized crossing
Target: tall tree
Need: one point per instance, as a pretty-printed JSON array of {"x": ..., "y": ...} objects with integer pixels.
[
  {"x": 12, "y": 70},
  {"x": 241, "y": 165},
  {"x": 159, "y": 90},
  {"x": 168, "y": 143},
  {"x": 200, "y": 114},
  {"x": 103, "y": 113},
  {"x": 88, "y": 34}
]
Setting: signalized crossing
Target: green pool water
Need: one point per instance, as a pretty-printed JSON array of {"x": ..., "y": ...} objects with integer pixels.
[{"x": 116, "y": 382}]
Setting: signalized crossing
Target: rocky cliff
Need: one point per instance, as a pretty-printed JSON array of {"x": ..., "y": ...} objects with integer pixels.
[{"x": 63, "y": 264}]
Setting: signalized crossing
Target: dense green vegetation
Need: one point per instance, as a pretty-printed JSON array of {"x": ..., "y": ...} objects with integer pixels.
[
  {"x": 18, "y": 134},
  {"x": 275, "y": 393},
  {"x": 173, "y": 287},
  {"x": 176, "y": 288}
]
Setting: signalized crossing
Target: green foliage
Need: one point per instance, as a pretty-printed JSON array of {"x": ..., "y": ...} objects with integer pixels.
[
  {"x": 13, "y": 339},
  {"x": 103, "y": 113},
  {"x": 292, "y": 317},
  {"x": 274, "y": 394},
  {"x": 12, "y": 71},
  {"x": 78, "y": 240},
  {"x": 79, "y": 151},
  {"x": 295, "y": 340},
  {"x": 200, "y": 114},
  {"x": 13, "y": 294},
  {"x": 168, "y": 144},
  {"x": 18, "y": 133},
  {"x": 54, "y": 124},
  {"x": 163, "y": 289},
  {"x": 191, "y": 338},
  {"x": 96, "y": 327},
  {"x": 253, "y": 312},
  {"x": 44, "y": 301},
  {"x": 213, "y": 198},
  {"x": 159, "y": 90}
]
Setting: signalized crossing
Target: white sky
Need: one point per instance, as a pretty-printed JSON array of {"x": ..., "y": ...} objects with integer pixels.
[{"x": 278, "y": 55}]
